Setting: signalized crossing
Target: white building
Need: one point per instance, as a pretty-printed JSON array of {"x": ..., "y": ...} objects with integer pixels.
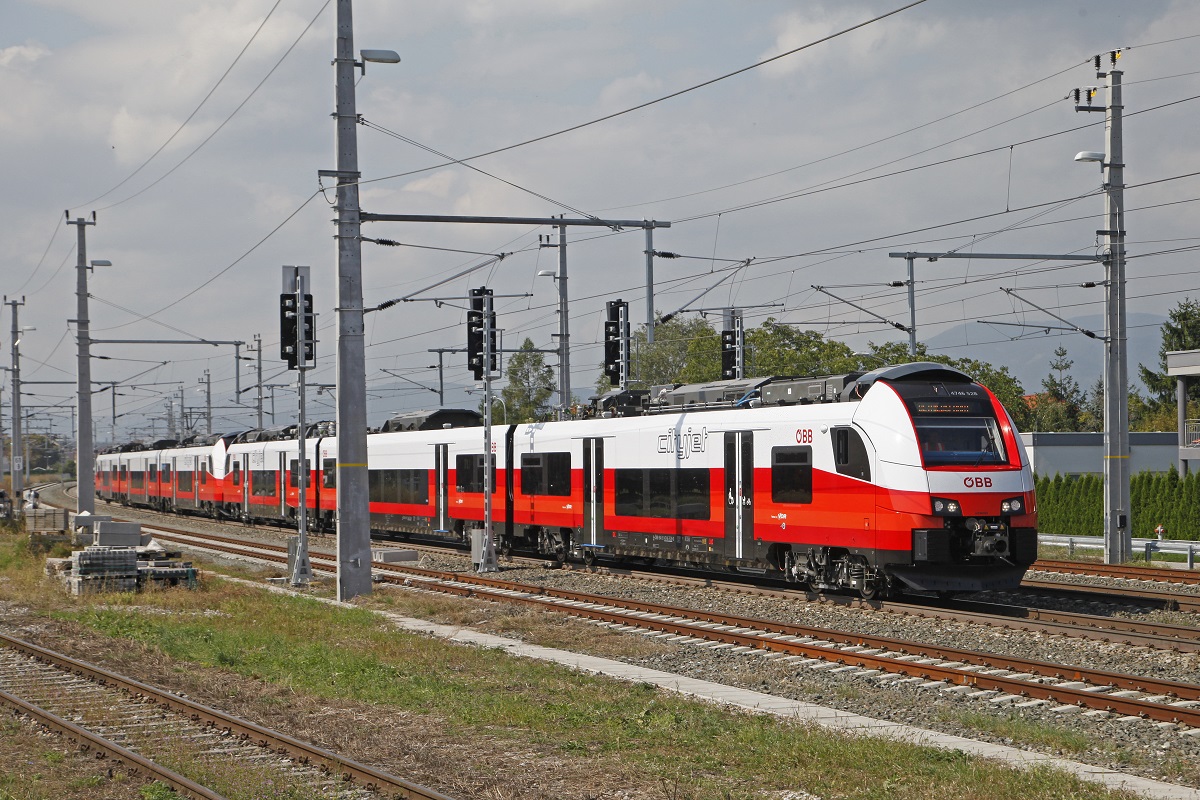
[{"x": 1081, "y": 453}]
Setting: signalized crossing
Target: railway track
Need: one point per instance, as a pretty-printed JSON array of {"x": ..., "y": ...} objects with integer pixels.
[
  {"x": 1011, "y": 616},
  {"x": 1185, "y": 577},
  {"x": 1000, "y": 679},
  {"x": 174, "y": 740}
]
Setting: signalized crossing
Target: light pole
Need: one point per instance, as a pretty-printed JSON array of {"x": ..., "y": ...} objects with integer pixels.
[
  {"x": 17, "y": 462},
  {"x": 353, "y": 516},
  {"x": 1118, "y": 544}
]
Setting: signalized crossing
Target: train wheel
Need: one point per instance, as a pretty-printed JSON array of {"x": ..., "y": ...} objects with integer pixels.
[{"x": 589, "y": 557}]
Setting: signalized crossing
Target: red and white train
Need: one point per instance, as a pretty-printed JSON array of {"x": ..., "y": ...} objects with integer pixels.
[{"x": 906, "y": 477}]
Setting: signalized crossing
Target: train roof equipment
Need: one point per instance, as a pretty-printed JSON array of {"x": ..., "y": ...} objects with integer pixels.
[{"x": 435, "y": 419}]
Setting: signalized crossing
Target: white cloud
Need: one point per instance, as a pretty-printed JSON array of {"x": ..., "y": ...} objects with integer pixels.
[{"x": 23, "y": 54}]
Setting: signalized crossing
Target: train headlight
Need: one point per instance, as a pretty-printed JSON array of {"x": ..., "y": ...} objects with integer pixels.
[
  {"x": 946, "y": 508},
  {"x": 1014, "y": 505}
]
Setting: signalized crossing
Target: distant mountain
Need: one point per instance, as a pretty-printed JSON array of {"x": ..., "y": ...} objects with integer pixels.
[{"x": 1028, "y": 358}]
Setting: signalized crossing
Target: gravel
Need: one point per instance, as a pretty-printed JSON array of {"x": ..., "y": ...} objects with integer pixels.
[{"x": 1160, "y": 751}]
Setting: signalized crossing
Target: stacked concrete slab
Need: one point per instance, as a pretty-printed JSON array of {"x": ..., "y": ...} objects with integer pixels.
[{"x": 122, "y": 559}]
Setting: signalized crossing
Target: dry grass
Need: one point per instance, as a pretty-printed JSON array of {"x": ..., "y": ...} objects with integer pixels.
[{"x": 475, "y": 723}]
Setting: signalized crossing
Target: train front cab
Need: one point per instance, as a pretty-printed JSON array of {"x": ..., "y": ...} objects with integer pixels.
[{"x": 956, "y": 509}]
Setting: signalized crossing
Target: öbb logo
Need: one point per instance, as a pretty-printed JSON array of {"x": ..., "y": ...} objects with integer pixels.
[{"x": 977, "y": 483}]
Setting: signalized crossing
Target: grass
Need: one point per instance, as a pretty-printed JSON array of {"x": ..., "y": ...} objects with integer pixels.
[
  {"x": 1019, "y": 729},
  {"x": 686, "y": 749}
]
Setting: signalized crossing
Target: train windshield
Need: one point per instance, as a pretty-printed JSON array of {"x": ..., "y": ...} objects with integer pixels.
[
  {"x": 960, "y": 440},
  {"x": 955, "y": 425}
]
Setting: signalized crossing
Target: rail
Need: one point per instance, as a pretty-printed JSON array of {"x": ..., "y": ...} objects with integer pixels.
[{"x": 1147, "y": 546}]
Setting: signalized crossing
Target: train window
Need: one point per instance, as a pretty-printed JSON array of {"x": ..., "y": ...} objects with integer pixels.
[
  {"x": 124, "y": 471},
  {"x": 691, "y": 493},
  {"x": 850, "y": 454},
  {"x": 204, "y": 472},
  {"x": 381, "y": 486},
  {"x": 791, "y": 474},
  {"x": 137, "y": 479},
  {"x": 165, "y": 474},
  {"x": 959, "y": 440},
  {"x": 183, "y": 481},
  {"x": 153, "y": 472},
  {"x": 663, "y": 493},
  {"x": 469, "y": 473},
  {"x": 262, "y": 482},
  {"x": 414, "y": 486},
  {"x": 329, "y": 473},
  {"x": 546, "y": 473},
  {"x": 533, "y": 473},
  {"x": 293, "y": 470},
  {"x": 237, "y": 473}
]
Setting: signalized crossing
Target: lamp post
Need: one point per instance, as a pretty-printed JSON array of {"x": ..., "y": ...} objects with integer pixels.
[
  {"x": 1118, "y": 544},
  {"x": 353, "y": 522},
  {"x": 17, "y": 461}
]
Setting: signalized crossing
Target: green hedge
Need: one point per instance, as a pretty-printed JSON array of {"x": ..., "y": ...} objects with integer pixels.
[{"x": 1075, "y": 506}]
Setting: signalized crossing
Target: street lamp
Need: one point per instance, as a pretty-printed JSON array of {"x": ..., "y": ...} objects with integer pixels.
[{"x": 1118, "y": 542}]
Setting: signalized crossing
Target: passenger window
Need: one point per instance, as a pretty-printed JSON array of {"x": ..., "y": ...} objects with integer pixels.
[
  {"x": 791, "y": 474},
  {"x": 850, "y": 454},
  {"x": 329, "y": 473}
]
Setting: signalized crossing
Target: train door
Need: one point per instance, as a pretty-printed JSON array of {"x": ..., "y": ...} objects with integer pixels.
[
  {"x": 174, "y": 482},
  {"x": 853, "y": 456},
  {"x": 739, "y": 493},
  {"x": 593, "y": 491},
  {"x": 441, "y": 510},
  {"x": 282, "y": 483}
]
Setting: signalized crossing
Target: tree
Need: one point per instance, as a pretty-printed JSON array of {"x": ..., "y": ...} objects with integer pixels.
[
  {"x": 778, "y": 349},
  {"x": 1060, "y": 406},
  {"x": 530, "y": 384},
  {"x": 685, "y": 350},
  {"x": 1181, "y": 331},
  {"x": 999, "y": 380}
]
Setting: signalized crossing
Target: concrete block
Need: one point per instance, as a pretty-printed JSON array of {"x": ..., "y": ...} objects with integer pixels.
[
  {"x": 119, "y": 534},
  {"x": 394, "y": 556}
]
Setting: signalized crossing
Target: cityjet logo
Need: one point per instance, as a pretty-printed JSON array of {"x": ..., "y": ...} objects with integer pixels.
[
  {"x": 683, "y": 443},
  {"x": 977, "y": 483}
]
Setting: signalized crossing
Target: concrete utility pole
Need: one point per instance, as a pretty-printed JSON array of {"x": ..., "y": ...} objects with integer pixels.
[
  {"x": 85, "y": 457},
  {"x": 649, "y": 283},
  {"x": 1118, "y": 543},
  {"x": 258, "y": 351},
  {"x": 17, "y": 463},
  {"x": 564, "y": 328},
  {"x": 206, "y": 382},
  {"x": 353, "y": 516}
]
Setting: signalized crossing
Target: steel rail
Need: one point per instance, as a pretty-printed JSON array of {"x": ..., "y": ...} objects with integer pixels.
[
  {"x": 87, "y": 740},
  {"x": 1166, "y": 600},
  {"x": 1063, "y": 623},
  {"x": 662, "y": 619},
  {"x": 782, "y": 637},
  {"x": 1126, "y": 571},
  {"x": 350, "y": 771}
]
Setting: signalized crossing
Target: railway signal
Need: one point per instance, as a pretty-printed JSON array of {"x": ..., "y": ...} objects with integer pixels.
[
  {"x": 733, "y": 347},
  {"x": 481, "y": 334},
  {"x": 616, "y": 343}
]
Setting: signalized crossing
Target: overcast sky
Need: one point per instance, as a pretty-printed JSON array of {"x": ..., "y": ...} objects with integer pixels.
[{"x": 944, "y": 127}]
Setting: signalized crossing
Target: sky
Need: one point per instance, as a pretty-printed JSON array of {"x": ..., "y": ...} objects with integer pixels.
[{"x": 195, "y": 132}]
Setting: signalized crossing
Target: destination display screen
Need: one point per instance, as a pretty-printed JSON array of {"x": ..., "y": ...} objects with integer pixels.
[{"x": 946, "y": 406}]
